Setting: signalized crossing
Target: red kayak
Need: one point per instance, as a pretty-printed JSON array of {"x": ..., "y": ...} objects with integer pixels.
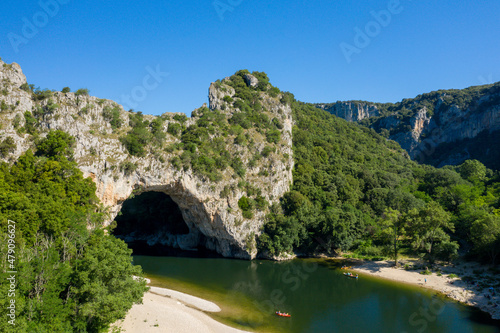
[{"x": 281, "y": 314}]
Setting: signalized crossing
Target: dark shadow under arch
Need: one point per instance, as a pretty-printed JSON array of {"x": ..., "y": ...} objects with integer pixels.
[{"x": 150, "y": 224}]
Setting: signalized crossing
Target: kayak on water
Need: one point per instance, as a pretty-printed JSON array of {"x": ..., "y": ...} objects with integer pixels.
[
  {"x": 351, "y": 275},
  {"x": 279, "y": 313}
]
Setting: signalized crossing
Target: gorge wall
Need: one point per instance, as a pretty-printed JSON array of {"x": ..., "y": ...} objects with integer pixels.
[
  {"x": 437, "y": 128},
  {"x": 209, "y": 208}
]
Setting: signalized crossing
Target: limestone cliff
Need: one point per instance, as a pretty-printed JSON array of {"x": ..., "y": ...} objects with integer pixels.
[
  {"x": 351, "y": 110},
  {"x": 437, "y": 128},
  {"x": 209, "y": 208}
]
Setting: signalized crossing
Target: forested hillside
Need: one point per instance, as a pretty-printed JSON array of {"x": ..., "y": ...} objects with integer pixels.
[
  {"x": 355, "y": 190},
  {"x": 70, "y": 276}
]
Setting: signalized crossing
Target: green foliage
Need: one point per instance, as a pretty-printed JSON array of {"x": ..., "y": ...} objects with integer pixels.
[
  {"x": 485, "y": 234},
  {"x": 30, "y": 123},
  {"x": 238, "y": 167},
  {"x": 139, "y": 136},
  {"x": 267, "y": 151},
  {"x": 174, "y": 129},
  {"x": 112, "y": 115},
  {"x": 273, "y": 136},
  {"x": 180, "y": 118},
  {"x": 7, "y": 146},
  {"x": 66, "y": 90},
  {"x": 82, "y": 92},
  {"x": 351, "y": 185},
  {"x": 393, "y": 228},
  {"x": 71, "y": 277},
  {"x": 29, "y": 88},
  {"x": 103, "y": 284},
  {"x": 427, "y": 232},
  {"x": 16, "y": 122},
  {"x": 473, "y": 170},
  {"x": 3, "y": 106},
  {"x": 39, "y": 95},
  {"x": 247, "y": 206},
  {"x": 156, "y": 127},
  {"x": 56, "y": 145},
  {"x": 128, "y": 168}
]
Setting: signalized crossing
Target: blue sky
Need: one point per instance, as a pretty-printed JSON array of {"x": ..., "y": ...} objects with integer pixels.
[{"x": 322, "y": 51}]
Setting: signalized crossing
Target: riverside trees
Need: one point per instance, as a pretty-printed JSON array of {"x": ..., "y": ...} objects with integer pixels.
[
  {"x": 71, "y": 276},
  {"x": 346, "y": 177}
]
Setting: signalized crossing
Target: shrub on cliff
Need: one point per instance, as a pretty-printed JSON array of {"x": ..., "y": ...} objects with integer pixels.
[
  {"x": 112, "y": 115},
  {"x": 139, "y": 136},
  {"x": 82, "y": 92},
  {"x": 7, "y": 146}
]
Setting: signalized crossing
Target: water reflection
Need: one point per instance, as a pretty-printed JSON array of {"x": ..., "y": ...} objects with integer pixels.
[{"x": 316, "y": 293}]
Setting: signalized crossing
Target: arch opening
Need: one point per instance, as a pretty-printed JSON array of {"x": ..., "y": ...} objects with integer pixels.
[{"x": 152, "y": 223}]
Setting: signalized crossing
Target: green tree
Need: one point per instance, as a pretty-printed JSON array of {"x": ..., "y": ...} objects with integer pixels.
[
  {"x": 56, "y": 144},
  {"x": 485, "y": 235},
  {"x": 103, "y": 284},
  {"x": 112, "y": 115},
  {"x": 393, "y": 225},
  {"x": 174, "y": 129},
  {"x": 427, "y": 230},
  {"x": 82, "y": 92},
  {"x": 473, "y": 170}
]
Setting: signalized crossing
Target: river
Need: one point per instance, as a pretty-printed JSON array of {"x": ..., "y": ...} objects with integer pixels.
[{"x": 316, "y": 294}]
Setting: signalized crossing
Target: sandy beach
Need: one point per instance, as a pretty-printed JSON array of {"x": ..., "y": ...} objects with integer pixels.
[
  {"x": 165, "y": 310},
  {"x": 477, "y": 293}
]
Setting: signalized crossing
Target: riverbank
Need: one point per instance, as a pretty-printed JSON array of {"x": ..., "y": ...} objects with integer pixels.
[
  {"x": 468, "y": 283},
  {"x": 165, "y": 310}
]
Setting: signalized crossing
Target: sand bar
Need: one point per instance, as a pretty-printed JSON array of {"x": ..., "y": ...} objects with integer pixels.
[
  {"x": 165, "y": 310},
  {"x": 476, "y": 294}
]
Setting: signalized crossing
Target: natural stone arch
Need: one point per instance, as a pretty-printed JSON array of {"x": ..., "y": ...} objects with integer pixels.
[
  {"x": 210, "y": 222},
  {"x": 210, "y": 207}
]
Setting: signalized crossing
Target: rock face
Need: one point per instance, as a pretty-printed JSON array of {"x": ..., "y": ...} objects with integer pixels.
[
  {"x": 423, "y": 124},
  {"x": 409, "y": 140},
  {"x": 251, "y": 80},
  {"x": 214, "y": 220},
  {"x": 351, "y": 111}
]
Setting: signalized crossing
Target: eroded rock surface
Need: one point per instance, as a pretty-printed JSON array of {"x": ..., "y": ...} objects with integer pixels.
[{"x": 214, "y": 219}]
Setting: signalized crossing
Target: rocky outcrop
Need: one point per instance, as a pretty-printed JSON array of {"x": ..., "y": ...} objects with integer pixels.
[
  {"x": 210, "y": 209},
  {"x": 351, "y": 111},
  {"x": 251, "y": 80},
  {"x": 455, "y": 124},
  {"x": 424, "y": 124},
  {"x": 410, "y": 139}
]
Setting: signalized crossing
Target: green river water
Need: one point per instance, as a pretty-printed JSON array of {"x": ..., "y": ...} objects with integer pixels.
[{"x": 316, "y": 294}]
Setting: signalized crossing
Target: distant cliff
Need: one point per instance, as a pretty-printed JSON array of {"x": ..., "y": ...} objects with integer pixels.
[
  {"x": 438, "y": 128},
  {"x": 256, "y": 165},
  {"x": 352, "y": 110}
]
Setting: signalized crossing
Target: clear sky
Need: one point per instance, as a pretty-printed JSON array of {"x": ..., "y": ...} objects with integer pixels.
[{"x": 322, "y": 51}]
